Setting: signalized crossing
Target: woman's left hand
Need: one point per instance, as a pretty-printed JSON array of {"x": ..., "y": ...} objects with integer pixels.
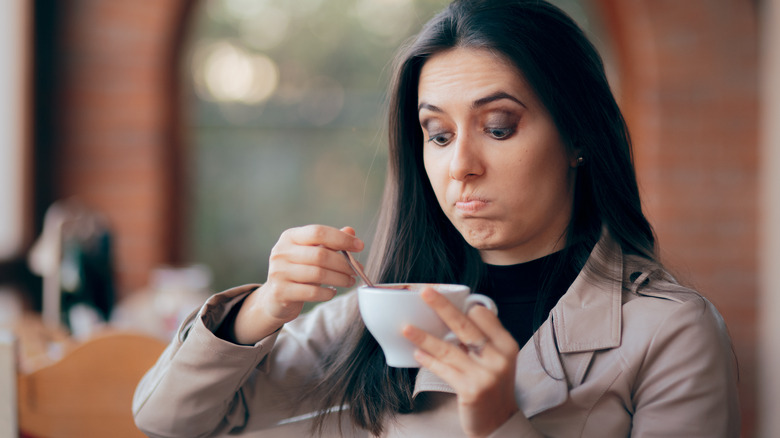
[{"x": 481, "y": 370}]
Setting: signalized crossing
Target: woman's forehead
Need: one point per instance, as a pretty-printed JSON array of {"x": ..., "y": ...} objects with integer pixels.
[{"x": 470, "y": 73}]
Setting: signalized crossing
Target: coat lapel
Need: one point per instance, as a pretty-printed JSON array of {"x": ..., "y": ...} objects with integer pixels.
[
  {"x": 587, "y": 318},
  {"x": 540, "y": 381}
]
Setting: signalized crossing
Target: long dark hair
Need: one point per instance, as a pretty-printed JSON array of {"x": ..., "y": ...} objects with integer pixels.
[{"x": 416, "y": 242}]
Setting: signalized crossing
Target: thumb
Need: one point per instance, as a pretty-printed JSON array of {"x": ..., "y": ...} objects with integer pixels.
[{"x": 349, "y": 230}]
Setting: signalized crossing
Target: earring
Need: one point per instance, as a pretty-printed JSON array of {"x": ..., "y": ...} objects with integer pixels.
[{"x": 580, "y": 160}]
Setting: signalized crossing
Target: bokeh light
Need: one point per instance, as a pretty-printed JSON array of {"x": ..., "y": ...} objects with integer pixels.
[{"x": 226, "y": 72}]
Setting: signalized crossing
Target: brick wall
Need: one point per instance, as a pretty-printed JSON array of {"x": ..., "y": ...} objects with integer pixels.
[
  {"x": 116, "y": 145},
  {"x": 689, "y": 88}
]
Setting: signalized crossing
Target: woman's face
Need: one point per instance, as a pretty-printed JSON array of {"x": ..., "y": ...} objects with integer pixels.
[{"x": 494, "y": 157}]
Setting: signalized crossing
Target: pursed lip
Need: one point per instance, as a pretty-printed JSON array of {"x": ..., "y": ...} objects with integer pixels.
[{"x": 471, "y": 204}]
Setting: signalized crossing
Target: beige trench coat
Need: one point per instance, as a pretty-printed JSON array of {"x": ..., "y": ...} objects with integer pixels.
[{"x": 643, "y": 357}]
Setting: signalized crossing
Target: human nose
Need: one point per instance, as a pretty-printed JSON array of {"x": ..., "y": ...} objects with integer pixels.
[{"x": 465, "y": 161}]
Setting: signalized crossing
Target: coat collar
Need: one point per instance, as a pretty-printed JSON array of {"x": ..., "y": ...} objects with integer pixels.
[{"x": 587, "y": 318}]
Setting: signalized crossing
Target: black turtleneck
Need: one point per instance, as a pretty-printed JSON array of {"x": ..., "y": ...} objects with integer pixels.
[{"x": 517, "y": 288}]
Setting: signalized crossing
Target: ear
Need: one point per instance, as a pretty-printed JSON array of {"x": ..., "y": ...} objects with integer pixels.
[{"x": 576, "y": 159}]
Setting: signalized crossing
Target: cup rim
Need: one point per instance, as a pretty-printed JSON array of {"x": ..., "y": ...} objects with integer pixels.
[{"x": 447, "y": 287}]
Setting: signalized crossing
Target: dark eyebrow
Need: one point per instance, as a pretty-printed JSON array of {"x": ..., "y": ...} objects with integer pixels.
[
  {"x": 477, "y": 103},
  {"x": 494, "y": 97},
  {"x": 429, "y": 107}
]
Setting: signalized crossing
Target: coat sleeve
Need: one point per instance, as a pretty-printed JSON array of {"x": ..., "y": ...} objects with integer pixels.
[
  {"x": 205, "y": 386},
  {"x": 687, "y": 382}
]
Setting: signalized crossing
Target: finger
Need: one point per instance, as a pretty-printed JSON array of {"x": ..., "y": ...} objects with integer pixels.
[
  {"x": 465, "y": 383},
  {"x": 314, "y": 256},
  {"x": 438, "y": 350},
  {"x": 490, "y": 325},
  {"x": 453, "y": 317},
  {"x": 446, "y": 372},
  {"x": 468, "y": 385},
  {"x": 351, "y": 232},
  {"x": 296, "y": 292},
  {"x": 316, "y": 275},
  {"x": 329, "y": 237}
]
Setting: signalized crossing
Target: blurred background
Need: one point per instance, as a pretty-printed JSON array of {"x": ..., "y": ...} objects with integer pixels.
[{"x": 151, "y": 152}]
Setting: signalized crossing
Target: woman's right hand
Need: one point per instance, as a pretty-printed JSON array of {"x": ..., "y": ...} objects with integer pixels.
[{"x": 305, "y": 266}]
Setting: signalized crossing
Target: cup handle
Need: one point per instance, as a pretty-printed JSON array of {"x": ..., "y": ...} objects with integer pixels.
[
  {"x": 480, "y": 300},
  {"x": 471, "y": 301}
]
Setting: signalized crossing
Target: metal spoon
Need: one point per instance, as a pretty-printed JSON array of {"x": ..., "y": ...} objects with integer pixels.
[{"x": 356, "y": 267}]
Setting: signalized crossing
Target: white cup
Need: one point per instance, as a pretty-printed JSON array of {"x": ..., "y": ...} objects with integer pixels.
[{"x": 387, "y": 308}]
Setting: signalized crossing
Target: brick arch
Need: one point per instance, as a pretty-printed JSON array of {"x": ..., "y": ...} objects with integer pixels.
[
  {"x": 688, "y": 74},
  {"x": 117, "y": 142}
]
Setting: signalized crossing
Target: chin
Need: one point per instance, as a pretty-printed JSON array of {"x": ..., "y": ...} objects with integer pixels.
[{"x": 481, "y": 239}]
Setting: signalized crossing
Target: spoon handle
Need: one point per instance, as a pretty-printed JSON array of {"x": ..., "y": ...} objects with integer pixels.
[{"x": 356, "y": 267}]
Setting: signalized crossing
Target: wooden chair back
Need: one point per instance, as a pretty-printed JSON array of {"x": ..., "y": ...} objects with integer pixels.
[{"x": 89, "y": 392}]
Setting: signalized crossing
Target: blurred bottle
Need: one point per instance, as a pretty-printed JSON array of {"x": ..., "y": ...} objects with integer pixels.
[
  {"x": 87, "y": 281},
  {"x": 74, "y": 256}
]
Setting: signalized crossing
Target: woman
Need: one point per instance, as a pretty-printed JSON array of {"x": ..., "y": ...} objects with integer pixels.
[{"x": 510, "y": 171}]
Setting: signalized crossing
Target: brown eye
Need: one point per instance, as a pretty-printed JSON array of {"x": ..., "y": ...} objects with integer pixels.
[
  {"x": 440, "y": 139},
  {"x": 499, "y": 133}
]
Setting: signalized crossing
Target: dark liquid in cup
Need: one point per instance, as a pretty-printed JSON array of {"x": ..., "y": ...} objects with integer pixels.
[{"x": 398, "y": 287}]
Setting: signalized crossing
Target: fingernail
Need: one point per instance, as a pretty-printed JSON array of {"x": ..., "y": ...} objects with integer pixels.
[
  {"x": 420, "y": 356},
  {"x": 411, "y": 333}
]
